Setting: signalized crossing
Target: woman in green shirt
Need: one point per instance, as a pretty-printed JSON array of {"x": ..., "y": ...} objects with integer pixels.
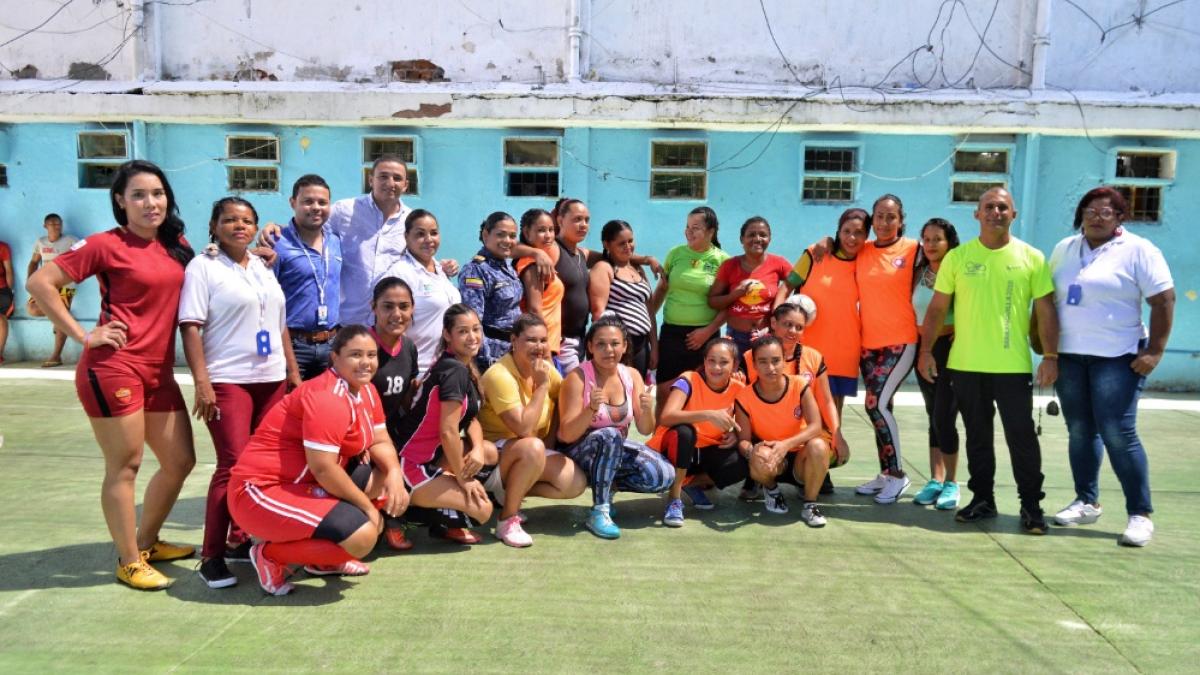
[{"x": 688, "y": 321}]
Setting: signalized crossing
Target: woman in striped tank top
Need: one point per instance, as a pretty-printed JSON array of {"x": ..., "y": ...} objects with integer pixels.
[{"x": 619, "y": 287}]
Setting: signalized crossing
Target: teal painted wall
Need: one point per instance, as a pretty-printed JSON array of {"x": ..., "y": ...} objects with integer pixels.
[{"x": 462, "y": 179}]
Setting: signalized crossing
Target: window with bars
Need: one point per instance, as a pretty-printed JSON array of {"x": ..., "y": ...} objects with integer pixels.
[
  {"x": 1142, "y": 176},
  {"x": 252, "y": 163},
  {"x": 100, "y": 154},
  {"x": 678, "y": 170},
  {"x": 403, "y": 147},
  {"x": 253, "y": 178},
  {"x": 531, "y": 167},
  {"x": 977, "y": 170},
  {"x": 830, "y": 173},
  {"x": 3, "y": 176}
]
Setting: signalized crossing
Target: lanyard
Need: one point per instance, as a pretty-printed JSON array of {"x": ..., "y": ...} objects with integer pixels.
[
  {"x": 260, "y": 289},
  {"x": 324, "y": 268}
]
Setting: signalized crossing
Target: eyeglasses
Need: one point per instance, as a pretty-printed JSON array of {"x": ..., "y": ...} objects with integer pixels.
[{"x": 1103, "y": 214}]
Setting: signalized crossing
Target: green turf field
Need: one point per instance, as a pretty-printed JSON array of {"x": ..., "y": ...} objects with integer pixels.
[{"x": 882, "y": 588}]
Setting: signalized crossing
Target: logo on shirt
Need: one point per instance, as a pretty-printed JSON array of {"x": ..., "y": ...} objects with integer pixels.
[
  {"x": 974, "y": 269},
  {"x": 79, "y": 244},
  {"x": 898, "y": 263},
  {"x": 123, "y": 394},
  {"x": 798, "y": 413}
]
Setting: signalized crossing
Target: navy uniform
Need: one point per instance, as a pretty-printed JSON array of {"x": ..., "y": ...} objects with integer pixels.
[{"x": 491, "y": 287}]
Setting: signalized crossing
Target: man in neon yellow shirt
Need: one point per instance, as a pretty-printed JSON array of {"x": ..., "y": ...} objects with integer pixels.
[{"x": 992, "y": 281}]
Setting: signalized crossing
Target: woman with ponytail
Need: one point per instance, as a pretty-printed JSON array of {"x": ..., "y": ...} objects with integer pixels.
[{"x": 124, "y": 378}]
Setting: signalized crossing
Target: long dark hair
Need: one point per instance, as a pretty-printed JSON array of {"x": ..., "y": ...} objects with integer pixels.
[
  {"x": 452, "y": 313},
  {"x": 610, "y": 231},
  {"x": 889, "y": 197},
  {"x": 170, "y": 233},
  {"x": 854, "y": 213},
  {"x": 719, "y": 341},
  {"x": 710, "y": 222},
  {"x": 560, "y": 209},
  {"x": 529, "y": 218},
  {"x": 605, "y": 321},
  {"x": 219, "y": 207}
]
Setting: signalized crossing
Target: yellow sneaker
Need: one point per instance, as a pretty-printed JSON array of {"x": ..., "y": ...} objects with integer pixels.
[
  {"x": 161, "y": 551},
  {"x": 140, "y": 575}
]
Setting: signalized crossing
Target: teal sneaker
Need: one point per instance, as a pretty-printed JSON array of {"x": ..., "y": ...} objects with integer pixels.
[
  {"x": 948, "y": 500},
  {"x": 929, "y": 493},
  {"x": 600, "y": 524}
]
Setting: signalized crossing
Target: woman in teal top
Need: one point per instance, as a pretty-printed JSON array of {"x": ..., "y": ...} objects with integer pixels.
[
  {"x": 938, "y": 236},
  {"x": 688, "y": 322}
]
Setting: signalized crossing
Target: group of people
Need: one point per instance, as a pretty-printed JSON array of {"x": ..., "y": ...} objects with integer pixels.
[{"x": 352, "y": 388}]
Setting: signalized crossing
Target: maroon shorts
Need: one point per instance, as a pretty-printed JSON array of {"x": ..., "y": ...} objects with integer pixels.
[{"x": 115, "y": 387}]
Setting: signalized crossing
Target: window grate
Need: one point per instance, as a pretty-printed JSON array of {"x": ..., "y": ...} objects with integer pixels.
[
  {"x": 981, "y": 161},
  {"x": 530, "y": 153},
  {"x": 969, "y": 192},
  {"x": 532, "y": 184},
  {"x": 265, "y": 148},
  {"x": 93, "y": 145},
  {"x": 374, "y": 148},
  {"x": 830, "y": 160},
  {"x": 1145, "y": 202},
  {"x": 828, "y": 189},
  {"x": 253, "y": 179}
]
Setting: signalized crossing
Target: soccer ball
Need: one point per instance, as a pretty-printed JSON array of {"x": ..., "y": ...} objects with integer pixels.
[{"x": 805, "y": 302}]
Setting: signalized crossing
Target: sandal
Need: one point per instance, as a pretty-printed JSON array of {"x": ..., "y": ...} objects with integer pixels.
[{"x": 51, "y": 363}]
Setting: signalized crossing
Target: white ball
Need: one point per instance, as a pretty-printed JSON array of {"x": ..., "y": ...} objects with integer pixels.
[{"x": 802, "y": 300}]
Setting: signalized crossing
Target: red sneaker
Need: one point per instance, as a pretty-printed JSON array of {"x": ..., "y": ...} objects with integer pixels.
[
  {"x": 396, "y": 539},
  {"x": 272, "y": 576},
  {"x": 459, "y": 535},
  {"x": 350, "y": 568}
]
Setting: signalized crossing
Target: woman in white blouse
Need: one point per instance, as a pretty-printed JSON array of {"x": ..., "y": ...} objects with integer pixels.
[
  {"x": 1101, "y": 276},
  {"x": 234, "y": 329}
]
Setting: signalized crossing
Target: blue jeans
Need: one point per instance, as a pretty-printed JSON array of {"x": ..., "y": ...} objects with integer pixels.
[
  {"x": 312, "y": 360},
  {"x": 1099, "y": 398}
]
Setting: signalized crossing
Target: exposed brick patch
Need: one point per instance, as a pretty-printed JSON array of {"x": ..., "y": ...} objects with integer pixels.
[
  {"x": 417, "y": 70},
  {"x": 424, "y": 110}
]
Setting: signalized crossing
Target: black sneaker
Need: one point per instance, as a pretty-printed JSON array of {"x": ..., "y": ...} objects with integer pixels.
[
  {"x": 976, "y": 511},
  {"x": 827, "y": 486},
  {"x": 1033, "y": 521},
  {"x": 239, "y": 553},
  {"x": 215, "y": 574}
]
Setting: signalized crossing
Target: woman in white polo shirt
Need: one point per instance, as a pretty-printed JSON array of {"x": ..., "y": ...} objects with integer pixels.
[
  {"x": 433, "y": 292},
  {"x": 1101, "y": 276},
  {"x": 234, "y": 329}
]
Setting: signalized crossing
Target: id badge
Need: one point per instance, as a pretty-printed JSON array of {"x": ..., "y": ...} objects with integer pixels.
[
  {"x": 1074, "y": 294},
  {"x": 322, "y": 314},
  {"x": 263, "y": 342}
]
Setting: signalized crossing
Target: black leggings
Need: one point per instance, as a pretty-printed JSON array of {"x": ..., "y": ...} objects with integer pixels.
[
  {"x": 940, "y": 403},
  {"x": 723, "y": 465}
]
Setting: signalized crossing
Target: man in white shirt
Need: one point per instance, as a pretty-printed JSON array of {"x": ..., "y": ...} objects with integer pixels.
[{"x": 47, "y": 248}]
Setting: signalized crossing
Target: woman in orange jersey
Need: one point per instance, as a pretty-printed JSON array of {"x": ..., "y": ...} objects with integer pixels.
[
  {"x": 884, "y": 270},
  {"x": 779, "y": 432},
  {"x": 696, "y": 427},
  {"x": 831, "y": 284},
  {"x": 543, "y": 297}
]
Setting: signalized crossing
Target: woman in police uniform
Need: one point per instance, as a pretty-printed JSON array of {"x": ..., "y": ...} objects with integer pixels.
[{"x": 490, "y": 285}]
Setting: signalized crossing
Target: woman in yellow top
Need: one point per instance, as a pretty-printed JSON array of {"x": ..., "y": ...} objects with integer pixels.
[
  {"x": 779, "y": 433},
  {"x": 519, "y": 394}
]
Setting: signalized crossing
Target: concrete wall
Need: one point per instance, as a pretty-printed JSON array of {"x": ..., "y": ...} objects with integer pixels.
[
  {"x": 461, "y": 180},
  {"x": 1113, "y": 45}
]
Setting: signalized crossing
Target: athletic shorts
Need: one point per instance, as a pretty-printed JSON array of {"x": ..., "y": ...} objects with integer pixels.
[
  {"x": 295, "y": 511},
  {"x": 416, "y": 475},
  {"x": 6, "y": 302},
  {"x": 115, "y": 387},
  {"x": 674, "y": 358},
  {"x": 788, "y": 475},
  {"x": 725, "y": 466},
  {"x": 843, "y": 386}
]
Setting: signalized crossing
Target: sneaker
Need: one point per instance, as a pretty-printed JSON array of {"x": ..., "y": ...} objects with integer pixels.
[
  {"x": 1033, "y": 520},
  {"x": 239, "y": 553},
  {"x": 272, "y": 576},
  {"x": 1138, "y": 532},
  {"x": 699, "y": 499},
  {"x": 140, "y": 575},
  {"x": 751, "y": 492},
  {"x": 161, "y": 551},
  {"x": 458, "y": 535},
  {"x": 215, "y": 574},
  {"x": 350, "y": 568},
  {"x": 512, "y": 534},
  {"x": 893, "y": 487},
  {"x": 977, "y": 510},
  {"x": 872, "y": 486},
  {"x": 929, "y": 493},
  {"x": 1079, "y": 512},
  {"x": 397, "y": 539},
  {"x": 948, "y": 500},
  {"x": 826, "y": 486},
  {"x": 811, "y": 515},
  {"x": 774, "y": 501},
  {"x": 674, "y": 515},
  {"x": 600, "y": 523}
]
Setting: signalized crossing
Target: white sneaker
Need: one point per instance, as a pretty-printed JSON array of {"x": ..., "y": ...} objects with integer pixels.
[
  {"x": 811, "y": 515},
  {"x": 893, "y": 487},
  {"x": 1079, "y": 512},
  {"x": 872, "y": 486},
  {"x": 1138, "y": 532},
  {"x": 774, "y": 501}
]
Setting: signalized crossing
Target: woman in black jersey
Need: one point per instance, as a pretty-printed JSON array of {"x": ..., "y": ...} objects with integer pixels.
[{"x": 392, "y": 304}]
